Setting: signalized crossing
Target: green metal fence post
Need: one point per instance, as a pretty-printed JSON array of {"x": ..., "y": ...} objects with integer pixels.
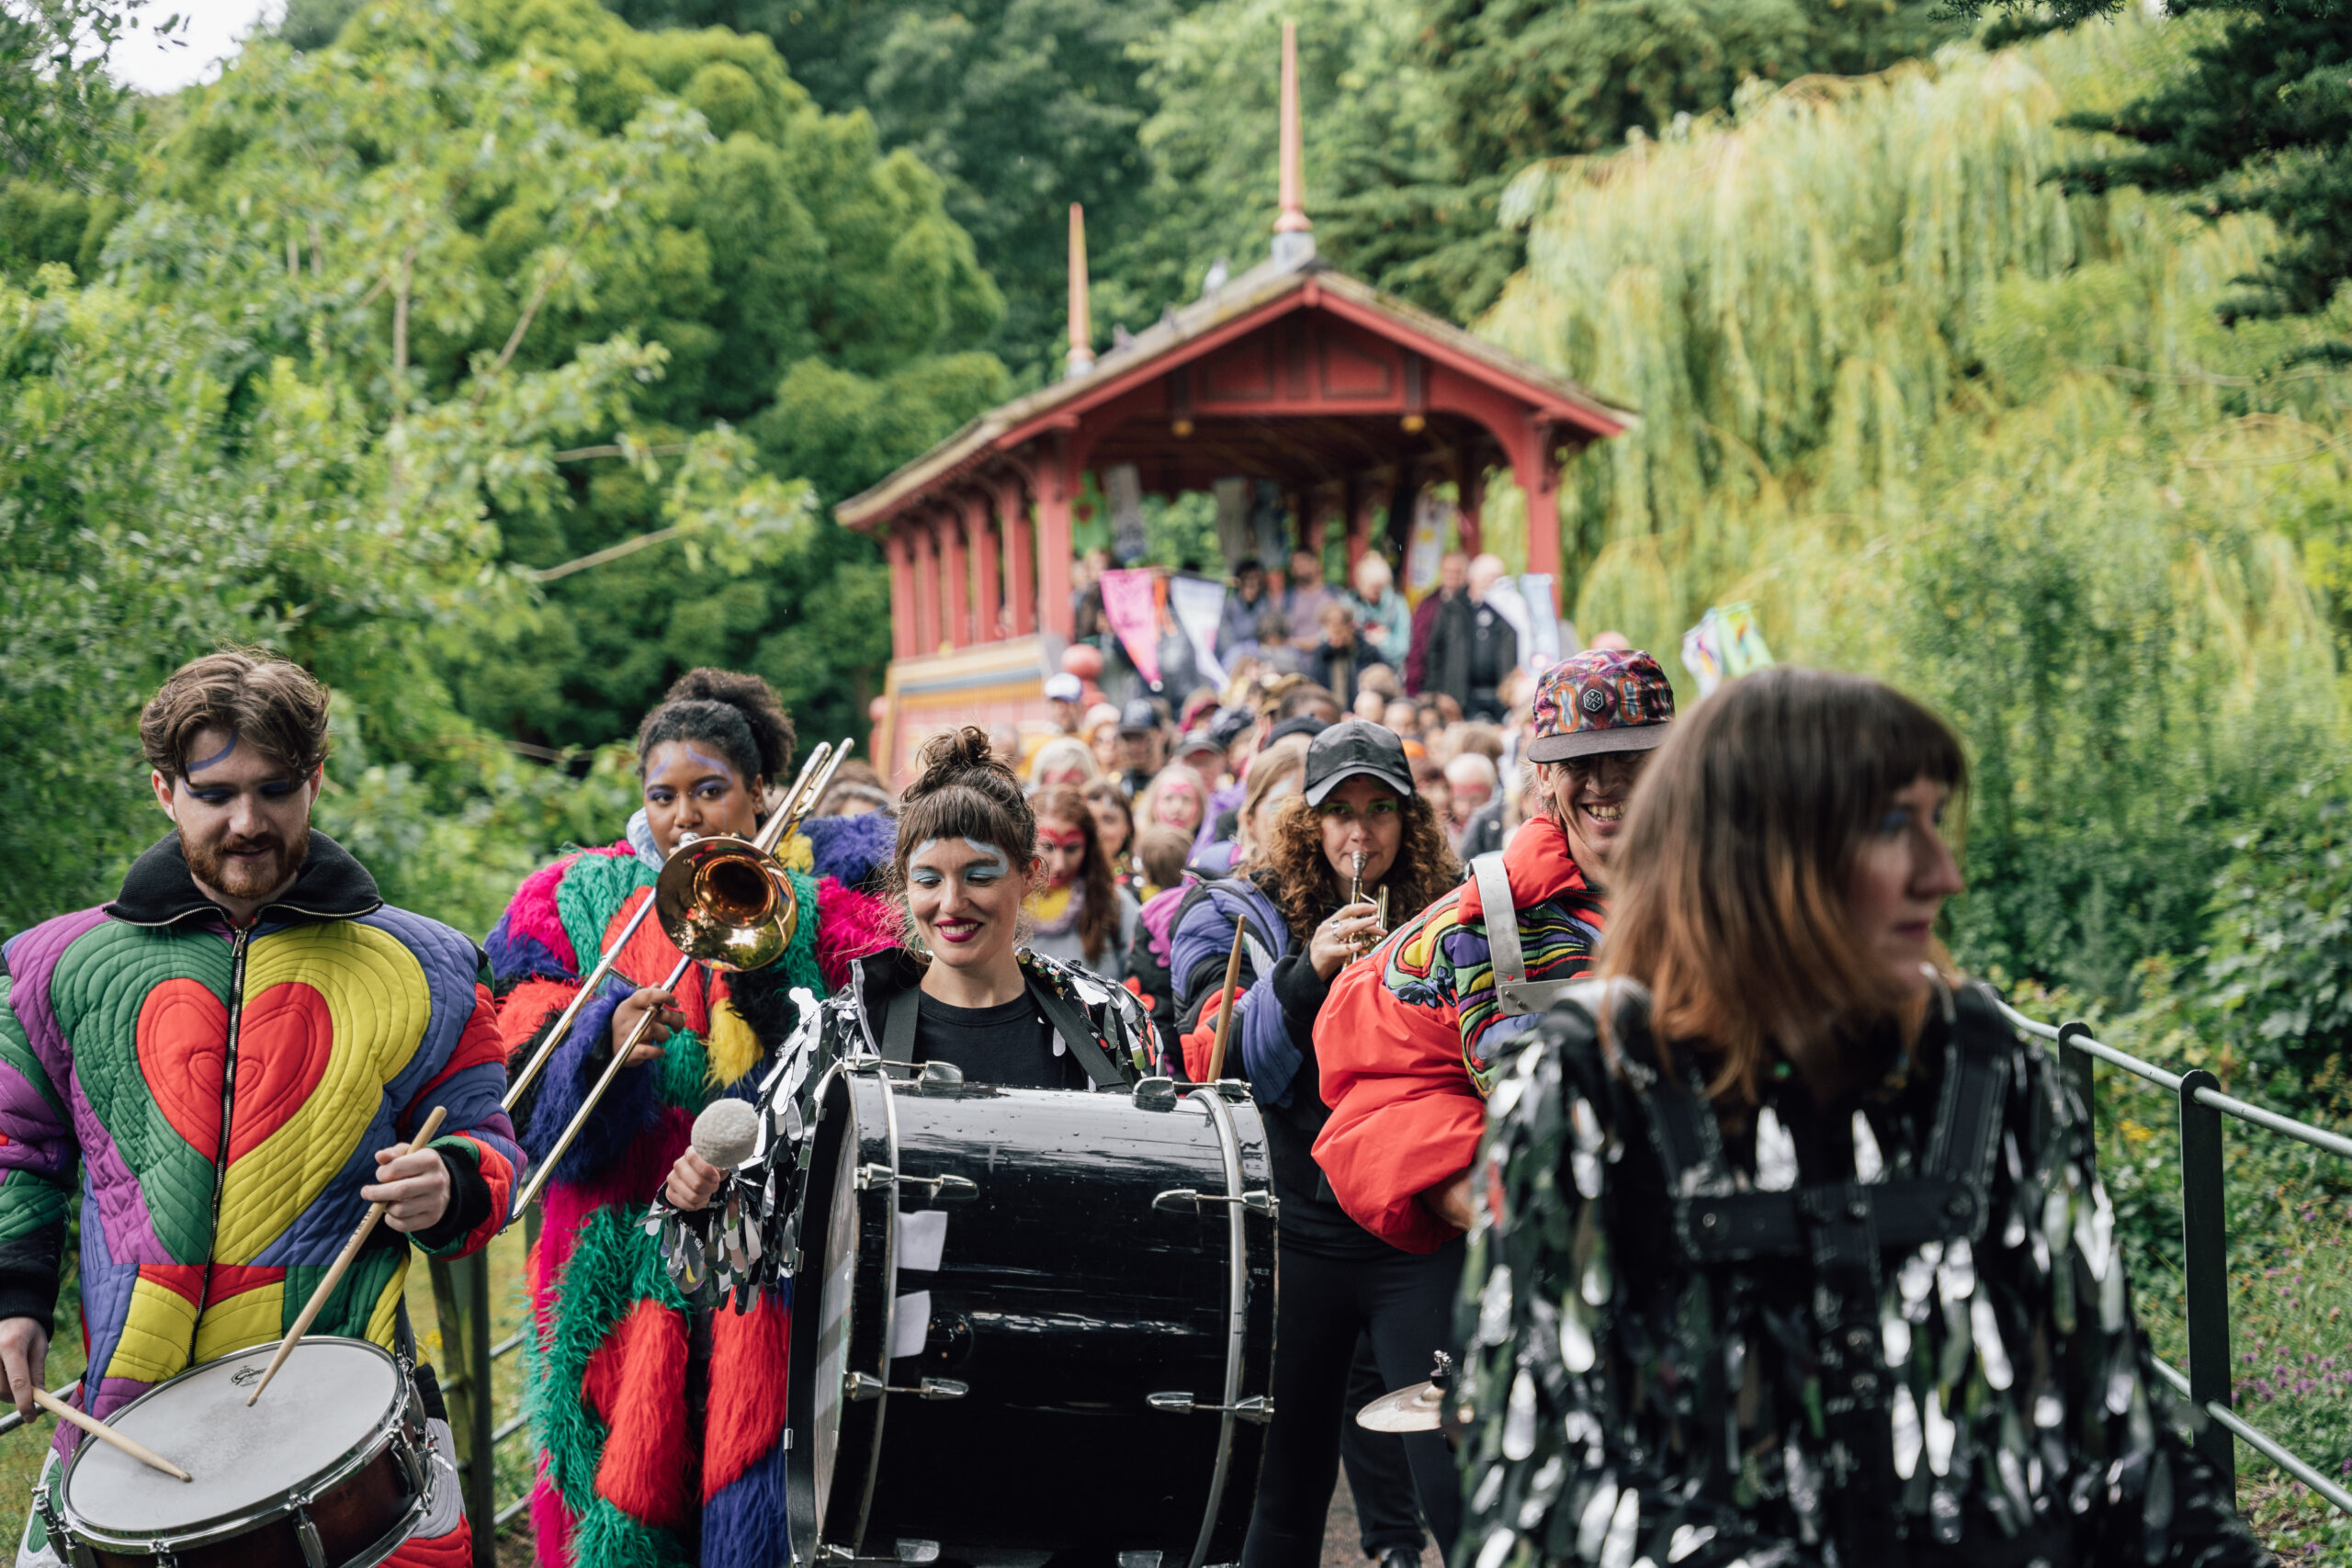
[
  {"x": 461, "y": 1300},
  {"x": 2205, "y": 1248}
]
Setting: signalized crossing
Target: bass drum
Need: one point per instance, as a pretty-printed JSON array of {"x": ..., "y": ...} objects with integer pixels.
[{"x": 1029, "y": 1321}]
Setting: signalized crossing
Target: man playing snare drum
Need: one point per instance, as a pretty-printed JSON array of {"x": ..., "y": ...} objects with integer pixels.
[{"x": 232, "y": 1052}]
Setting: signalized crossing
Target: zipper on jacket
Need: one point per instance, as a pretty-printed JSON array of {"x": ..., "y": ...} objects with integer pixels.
[{"x": 237, "y": 945}]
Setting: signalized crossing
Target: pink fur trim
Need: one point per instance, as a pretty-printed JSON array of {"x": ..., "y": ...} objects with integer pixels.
[
  {"x": 851, "y": 924},
  {"x": 532, "y": 914},
  {"x": 551, "y": 1522}
]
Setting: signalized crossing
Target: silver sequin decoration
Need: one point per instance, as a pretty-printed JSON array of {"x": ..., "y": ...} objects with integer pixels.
[
  {"x": 1776, "y": 1154},
  {"x": 1519, "y": 1418},
  {"x": 1991, "y": 1354},
  {"x": 1940, "y": 1433},
  {"x": 1495, "y": 1547},
  {"x": 1908, "y": 1439},
  {"x": 1584, "y": 1155},
  {"x": 1617, "y": 1548},
  {"x": 1895, "y": 1337},
  {"x": 1688, "y": 1538},
  {"x": 1956, "y": 1275},
  {"x": 1592, "y": 1525},
  {"x": 1576, "y": 1338},
  {"x": 1494, "y": 1307},
  {"x": 1868, "y": 1164}
]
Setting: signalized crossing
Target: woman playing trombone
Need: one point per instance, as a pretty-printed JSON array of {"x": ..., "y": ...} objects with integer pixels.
[{"x": 636, "y": 1397}]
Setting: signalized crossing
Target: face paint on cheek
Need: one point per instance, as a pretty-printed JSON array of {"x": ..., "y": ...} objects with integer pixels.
[{"x": 217, "y": 756}]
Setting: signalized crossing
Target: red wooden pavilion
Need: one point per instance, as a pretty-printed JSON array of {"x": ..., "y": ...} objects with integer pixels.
[{"x": 1291, "y": 372}]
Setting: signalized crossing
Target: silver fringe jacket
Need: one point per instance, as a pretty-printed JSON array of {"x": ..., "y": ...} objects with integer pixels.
[{"x": 1679, "y": 1356}]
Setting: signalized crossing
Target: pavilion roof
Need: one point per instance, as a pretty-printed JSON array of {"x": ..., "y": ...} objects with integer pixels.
[{"x": 1246, "y": 303}]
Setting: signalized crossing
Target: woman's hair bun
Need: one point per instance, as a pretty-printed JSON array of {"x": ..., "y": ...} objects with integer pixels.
[
  {"x": 752, "y": 697},
  {"x": 953, "y": 757}
]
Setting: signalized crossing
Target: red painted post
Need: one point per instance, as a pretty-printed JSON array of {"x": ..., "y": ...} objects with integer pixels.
[
  {"x": 1020, "y": 556},
  {"x": 926, "y": 589},
  {"x": 902, "y": 593},
  {"x": 1055, "y": 612},
  {"x": 957, "y": 631},
  {"x": 987, "y": 582}
]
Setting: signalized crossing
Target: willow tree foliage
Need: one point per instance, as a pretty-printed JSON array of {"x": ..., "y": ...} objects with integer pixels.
[{"x": 1942, "y": 421}]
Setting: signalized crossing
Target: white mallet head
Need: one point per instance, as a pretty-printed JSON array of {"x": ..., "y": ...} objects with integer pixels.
[{"x": 726, "y": 1133}]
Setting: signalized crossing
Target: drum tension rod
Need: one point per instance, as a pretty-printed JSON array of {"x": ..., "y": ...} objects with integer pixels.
[
  {"x": 1257, "y": 1407},
  {"x": 1185, "y": 1201},
  {"x": 938, "y": 1188},
  {"x": 860, "y": 1387}
]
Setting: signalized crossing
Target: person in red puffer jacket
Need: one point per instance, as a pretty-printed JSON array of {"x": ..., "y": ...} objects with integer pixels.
[{"x": 1410, "y": 1043}]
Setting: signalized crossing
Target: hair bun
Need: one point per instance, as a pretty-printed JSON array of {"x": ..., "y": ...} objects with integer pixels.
[
  {"x": 950, "y": 758},
  {"x": 752, "y": 697}
]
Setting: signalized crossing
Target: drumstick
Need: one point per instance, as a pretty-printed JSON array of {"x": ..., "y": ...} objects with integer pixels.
[
  {"x": 107, "y": 1433},
  {"x": 1225, "y": 1014},
  {"x": 340, "y": 1265}
]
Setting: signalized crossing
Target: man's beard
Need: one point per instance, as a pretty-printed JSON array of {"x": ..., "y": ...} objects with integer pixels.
[{"x": 275, "y": 864}]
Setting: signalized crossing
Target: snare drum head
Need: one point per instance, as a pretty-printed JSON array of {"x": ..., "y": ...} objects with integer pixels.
[{"x": 329, "y": 1398}]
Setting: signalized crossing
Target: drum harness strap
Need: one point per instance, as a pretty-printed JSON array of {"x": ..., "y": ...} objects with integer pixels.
[
  {"x": 1514, "y": 993},
  {"x": 906, "y": 1010},
  {"x": 1842, "y": 1229}
]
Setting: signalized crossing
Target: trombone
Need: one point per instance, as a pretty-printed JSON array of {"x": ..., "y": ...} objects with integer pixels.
[{"x": 722, "y": 900}]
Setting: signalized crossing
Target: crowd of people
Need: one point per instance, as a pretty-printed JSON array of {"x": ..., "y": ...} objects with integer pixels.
[{"x": 1608, "y": 1050}]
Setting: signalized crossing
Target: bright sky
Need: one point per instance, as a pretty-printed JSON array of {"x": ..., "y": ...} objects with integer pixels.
[{"x": 211, "y": 32}]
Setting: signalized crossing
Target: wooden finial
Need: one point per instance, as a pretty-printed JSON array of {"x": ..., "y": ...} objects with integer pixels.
[
  {"x": 1293, "y": 236},
  {"x": 1293, "y": 220},
  {"x": 1081, "y": 325}
]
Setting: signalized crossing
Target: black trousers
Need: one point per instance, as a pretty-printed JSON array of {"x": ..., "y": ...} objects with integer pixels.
[
  {"x": 1405, "y": 1304},
  {"x": 1378, "y": 1476}
]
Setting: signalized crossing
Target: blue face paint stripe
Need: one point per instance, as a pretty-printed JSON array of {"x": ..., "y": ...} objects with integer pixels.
[
  {"x": 217, "y": 756},
  {"x": 711, "y": 763}
]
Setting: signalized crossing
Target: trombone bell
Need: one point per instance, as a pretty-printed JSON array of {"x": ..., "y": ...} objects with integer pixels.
[{"x": 726, "y": 902}]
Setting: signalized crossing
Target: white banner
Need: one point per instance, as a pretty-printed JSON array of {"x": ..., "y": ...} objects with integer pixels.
[{"x": 1198, "y": 604}]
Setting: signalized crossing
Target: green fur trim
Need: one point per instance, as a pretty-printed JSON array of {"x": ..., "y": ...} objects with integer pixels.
[
  {"x": 591, "y": 894},
  {"x": 614, "y": 1265},
  {"x": 684, "y": 1066},
  {"x": 607, "y": 1537}
]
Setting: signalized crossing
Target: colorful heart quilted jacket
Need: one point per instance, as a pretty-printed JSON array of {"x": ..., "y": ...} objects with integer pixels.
[{"x": 223, "y": 1092}]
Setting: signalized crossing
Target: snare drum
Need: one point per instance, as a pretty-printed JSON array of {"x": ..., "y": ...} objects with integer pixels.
[
  {"x": 333, "y": 1468},
  {"x": 1029, "y": 1320}
]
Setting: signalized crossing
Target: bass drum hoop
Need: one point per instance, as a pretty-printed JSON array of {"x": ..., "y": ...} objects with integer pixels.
[
  {"x": 872, "y": 1140},
  {"x": 389, "y": 1433}
]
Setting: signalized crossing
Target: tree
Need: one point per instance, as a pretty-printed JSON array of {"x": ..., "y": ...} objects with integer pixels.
[
  {"x": 569, "y": 178},
  {"x": 1418, "y": 115},
  {"x": 1021, "y": 106},
  {"x": 2259, "y": 120}
]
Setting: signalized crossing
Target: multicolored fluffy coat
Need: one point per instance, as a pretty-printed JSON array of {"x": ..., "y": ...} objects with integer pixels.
[
  {"x": 222, "y": 1092},
  {"x": 627, "y": 1476}
]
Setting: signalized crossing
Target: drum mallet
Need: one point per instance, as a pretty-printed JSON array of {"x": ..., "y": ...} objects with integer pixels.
[
  {"x": 1225, "y": 1013},
  {"x": 342, "y": 1265},
  {"x": 107, "y": 1433}
]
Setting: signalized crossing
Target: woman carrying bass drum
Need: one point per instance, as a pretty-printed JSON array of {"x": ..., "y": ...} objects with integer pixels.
[
  {"x": 1789, "y": 1249},
  {"x": 1356, "y": 841},
  {"x": 1005, "y": 1238}
]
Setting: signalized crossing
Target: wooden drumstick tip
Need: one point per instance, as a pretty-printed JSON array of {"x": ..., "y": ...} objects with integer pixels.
[
  {"x": 341, "y": 1266},
  {"x": 1225, "y": 1013},
  {"x": 107, "y": 1433}
]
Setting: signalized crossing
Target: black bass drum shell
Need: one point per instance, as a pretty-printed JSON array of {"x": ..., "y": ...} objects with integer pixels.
[{"x": 1063, "y": 1299}]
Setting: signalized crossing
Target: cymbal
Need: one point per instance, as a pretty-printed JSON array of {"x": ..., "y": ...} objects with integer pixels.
[{"x": 1414, "y": 1409}]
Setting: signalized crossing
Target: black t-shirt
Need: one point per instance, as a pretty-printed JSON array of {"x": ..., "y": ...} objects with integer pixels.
[{"x": 1010, "y": 1044}]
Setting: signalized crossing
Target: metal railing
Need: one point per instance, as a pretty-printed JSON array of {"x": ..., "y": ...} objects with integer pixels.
[
  {"x": 461, "y": 1302},
  {"x": 2205, "y": 1235}
]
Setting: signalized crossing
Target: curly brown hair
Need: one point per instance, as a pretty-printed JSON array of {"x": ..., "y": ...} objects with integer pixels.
[{"x": 1293, "y": 870}]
